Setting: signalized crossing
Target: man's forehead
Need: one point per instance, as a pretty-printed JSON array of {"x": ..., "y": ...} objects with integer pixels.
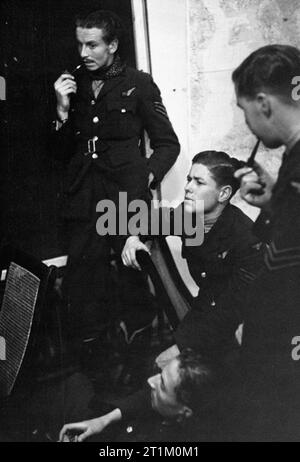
[
  {"x": 239, "y": 99},
  {"x": 170, "y": 374},
  {"x": 89, "y": 34},
  {"x": 198, "y": 170},
  {"x": 242, "y": 102}
]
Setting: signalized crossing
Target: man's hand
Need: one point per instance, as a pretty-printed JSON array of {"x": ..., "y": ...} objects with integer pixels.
[
  {"x": 256, "y": 185},
  {"x": 80, "y": 431},
  {"x": 64, "y": 86},
  {"x": 131, "y": 246}
]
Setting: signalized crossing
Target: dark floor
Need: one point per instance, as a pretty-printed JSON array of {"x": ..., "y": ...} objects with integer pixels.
[{"x": 40, "y": 409}]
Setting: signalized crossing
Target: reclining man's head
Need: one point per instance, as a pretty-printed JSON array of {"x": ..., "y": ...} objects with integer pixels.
[{"x": 183, "y": 387}]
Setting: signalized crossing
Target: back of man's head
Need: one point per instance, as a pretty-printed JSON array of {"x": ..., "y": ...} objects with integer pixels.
[
  {"x": 199, "y": 381},
  {"x": 268, "y": 69}
]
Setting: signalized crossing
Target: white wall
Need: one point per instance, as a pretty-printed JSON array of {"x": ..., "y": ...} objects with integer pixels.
[
  {"x": 168, "y": 39},
  {"x": 168, "y": 53}
]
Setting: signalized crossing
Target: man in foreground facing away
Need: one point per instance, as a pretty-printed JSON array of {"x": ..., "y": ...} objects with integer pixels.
[{"x": 269, "y": 403}]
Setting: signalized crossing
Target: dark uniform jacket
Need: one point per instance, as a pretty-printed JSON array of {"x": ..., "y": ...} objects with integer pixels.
[
  {"x": 141, "y": 424},
  {"x": 223, "y": 267},
  {"x": 112, "y": 125},
  {"x": 103, "y": 141},
  {"x": 271, "y": 372}
]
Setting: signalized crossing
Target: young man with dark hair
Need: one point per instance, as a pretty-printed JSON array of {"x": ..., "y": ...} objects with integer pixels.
[
  {"x": 223, "y": 266},
  {"x": 269, "y": 402},
  {"x": 110, "y": 24},
  {"x": 102, "y": 112}
]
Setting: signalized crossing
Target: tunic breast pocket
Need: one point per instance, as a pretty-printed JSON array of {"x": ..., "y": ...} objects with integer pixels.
[{"x": 120, "y": 120}]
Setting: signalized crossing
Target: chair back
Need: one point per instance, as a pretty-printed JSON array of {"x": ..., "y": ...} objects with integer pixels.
[{"x": 174, "y": 297}]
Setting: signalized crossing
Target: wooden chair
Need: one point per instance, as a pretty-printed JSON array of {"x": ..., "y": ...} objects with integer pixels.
[{"x": 173, "y": 296}]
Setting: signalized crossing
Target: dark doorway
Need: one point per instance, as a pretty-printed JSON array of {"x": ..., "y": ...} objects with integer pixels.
[{"x": 37, "y": 44}]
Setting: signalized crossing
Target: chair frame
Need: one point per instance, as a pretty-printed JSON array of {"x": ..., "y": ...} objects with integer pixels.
[{"x": 148, "y": 265}]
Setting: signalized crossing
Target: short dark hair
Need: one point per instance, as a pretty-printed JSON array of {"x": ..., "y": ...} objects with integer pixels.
[
  {"x": 198, "y": 378},
  {"x": 221, "y": 167},
  {"x": 271, "y": 68},
  {"x": 109, "y": 22}
]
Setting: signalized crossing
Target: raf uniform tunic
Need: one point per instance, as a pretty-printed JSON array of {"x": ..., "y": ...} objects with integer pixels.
[
  {"x": 223, "y": 267},
  {"x": 140, "y": 423},
  {"x": 103, "y": 138},
  {"x": 270, "y": 404}
]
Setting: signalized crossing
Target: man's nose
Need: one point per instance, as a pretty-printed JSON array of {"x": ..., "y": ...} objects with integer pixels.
[
  {"x": 152, "y": 381},
  {"x": 83, "y": 52},
  {"x": 188, "y": 186}
]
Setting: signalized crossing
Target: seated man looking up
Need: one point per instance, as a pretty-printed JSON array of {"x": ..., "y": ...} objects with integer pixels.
[
  {"x": 186, "y": 385},
  {"x": 224, "y": 264}
]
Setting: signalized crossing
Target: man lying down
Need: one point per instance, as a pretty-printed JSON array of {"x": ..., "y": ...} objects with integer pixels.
[{"x": 178, "y": 404}]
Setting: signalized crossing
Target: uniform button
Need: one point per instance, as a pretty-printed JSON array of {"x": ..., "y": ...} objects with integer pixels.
[
  {"x": 93, "y": 102},
  {"x": 96, "y": 120},
  {"x": 203, "y": 275},
  {"x": 267, "y": 222},
  {"x": 123, "y": 110},
  {"x": 213, "y": 303},
  {"x": 95, "y": 156}
]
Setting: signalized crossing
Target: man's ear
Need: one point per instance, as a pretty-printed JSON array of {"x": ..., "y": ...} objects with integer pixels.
[
  {"x": 263, "y": 103},
  {"x": 113, "y": 46},
  {"x": 225, "y": 193},
  {"x": 184, "y": 413}
]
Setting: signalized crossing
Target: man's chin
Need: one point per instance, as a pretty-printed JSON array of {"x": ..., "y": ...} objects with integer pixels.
[
  {"x": 272, "y": 144},
  {"x": 275, "y": 145}
]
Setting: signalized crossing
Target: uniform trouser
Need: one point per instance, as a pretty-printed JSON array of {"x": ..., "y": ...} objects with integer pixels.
[{"x": 98, "y": 293}]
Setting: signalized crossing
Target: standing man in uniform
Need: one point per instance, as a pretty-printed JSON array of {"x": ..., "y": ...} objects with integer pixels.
[
  {"x": 101, "y": 116},
  {"x": 270, "y": 405}
]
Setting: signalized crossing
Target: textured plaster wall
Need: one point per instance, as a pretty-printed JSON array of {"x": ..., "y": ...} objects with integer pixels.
[{"x": 221, "y": 34}]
